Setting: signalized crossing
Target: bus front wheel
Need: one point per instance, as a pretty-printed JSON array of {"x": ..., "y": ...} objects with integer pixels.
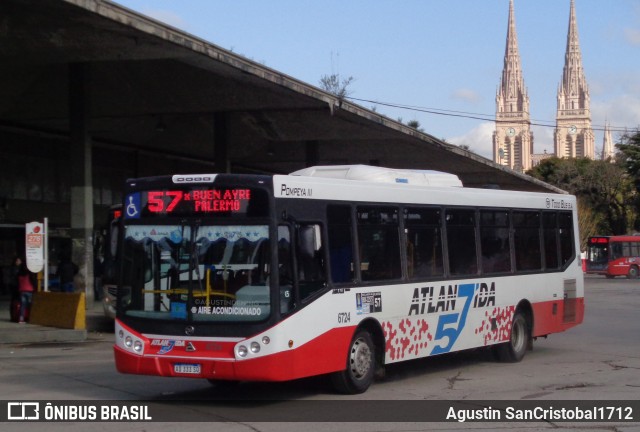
[
  {"x": 359, "y": 374},
  {"x": 519, "y": 339},
  {"x": 633, "y": 272}
]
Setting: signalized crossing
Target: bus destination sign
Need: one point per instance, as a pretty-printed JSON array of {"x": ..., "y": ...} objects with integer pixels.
[
  {"x": 599, "y": 240},
  {"x": 187, "y": 202}
]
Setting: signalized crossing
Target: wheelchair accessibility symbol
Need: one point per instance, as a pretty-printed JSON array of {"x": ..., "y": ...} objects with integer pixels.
[{"x": 132, "y": 207}]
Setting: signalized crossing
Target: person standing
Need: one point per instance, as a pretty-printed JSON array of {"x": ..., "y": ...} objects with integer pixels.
[{"x": 26, "y": 287}]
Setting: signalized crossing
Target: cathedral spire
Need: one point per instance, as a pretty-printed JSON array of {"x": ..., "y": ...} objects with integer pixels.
[
  {"x": 512, "y": 88},
  {"x": 574, "y": 135},
  {"x": 512, "y": 37},
  {"x": 512, "y": 139},
  {"x": 574, "y": 84},
  {"x": 572, "y": 39}
]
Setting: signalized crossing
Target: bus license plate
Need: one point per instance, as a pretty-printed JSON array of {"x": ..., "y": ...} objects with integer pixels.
[{"x": 186, "y": 368}]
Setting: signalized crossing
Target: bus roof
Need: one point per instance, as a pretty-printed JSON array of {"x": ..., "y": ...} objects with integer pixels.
[
  {"x": 382, "y": 175},
  {"x": 621, "y": 238}
]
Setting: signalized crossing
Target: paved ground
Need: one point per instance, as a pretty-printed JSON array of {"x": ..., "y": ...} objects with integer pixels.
[
  {"x": 11, "y": 332},
  {"x": 598, "y": 360}
]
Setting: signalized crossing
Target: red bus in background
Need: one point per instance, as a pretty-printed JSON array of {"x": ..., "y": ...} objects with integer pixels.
[{"x": 614, "y": 256}]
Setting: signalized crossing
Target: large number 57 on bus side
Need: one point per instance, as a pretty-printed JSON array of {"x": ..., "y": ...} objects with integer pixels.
[{"x": 336, "y": 271}]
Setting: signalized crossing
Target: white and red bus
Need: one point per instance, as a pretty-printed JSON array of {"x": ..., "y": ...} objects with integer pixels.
[
  {"x": 336, "y": 270},
  {"x": 613, "y": 256}
]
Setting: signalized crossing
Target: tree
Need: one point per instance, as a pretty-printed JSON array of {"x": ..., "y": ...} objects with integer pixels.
[
  {"x": 611, "y": 194},
  {"x": 588, "y": 222},
  {"x": 333, "y": 84},
  {"x": 415, "y": 124},
  {"x": 628, "y": 157},
  {"x": 602, "y": 187}
]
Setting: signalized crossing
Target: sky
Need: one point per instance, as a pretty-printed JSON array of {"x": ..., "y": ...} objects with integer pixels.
[{"x": 442, "y": 58}]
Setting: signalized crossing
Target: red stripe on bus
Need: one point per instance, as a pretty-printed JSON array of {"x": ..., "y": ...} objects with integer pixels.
[
  {"x": 326, "y": 353},
  {"x": 557, "y": 316}
]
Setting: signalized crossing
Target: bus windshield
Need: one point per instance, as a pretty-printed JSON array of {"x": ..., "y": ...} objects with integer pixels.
[
  {"x": 198, "y": 273},
  {"x": 598, "y": 253}
]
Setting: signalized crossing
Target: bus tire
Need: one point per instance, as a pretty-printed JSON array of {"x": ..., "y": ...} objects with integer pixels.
[
  {"x": 361, "y": 366},
  {"x": 633, "y": 272},
  {"x": 519, "y": 340}
]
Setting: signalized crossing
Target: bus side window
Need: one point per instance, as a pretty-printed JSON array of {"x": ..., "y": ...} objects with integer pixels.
[
  {"x": 461, "y": 241},
  {"x": 616, "y": 250},
  {"x": 494, "y": 241},
  {"x": 340, "y": 243},
  {"x": 550, "y": 237},
  {"x": 526, "y": 226},
  {"x": 424, "y": 242},
  {"x": 379, "y": 243},
  {"x": 310, "y": 259},
  {"x": 567, "y": 242}
]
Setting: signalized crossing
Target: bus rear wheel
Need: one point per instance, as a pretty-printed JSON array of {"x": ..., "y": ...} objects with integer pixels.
[
  {"x": 360, "y": 371},
  {"x": 633, "y": 272},
  {"x": 514, "y": 350}
]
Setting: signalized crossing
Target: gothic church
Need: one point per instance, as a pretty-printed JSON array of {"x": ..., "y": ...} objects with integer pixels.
[{"x": 573, "y": 137}]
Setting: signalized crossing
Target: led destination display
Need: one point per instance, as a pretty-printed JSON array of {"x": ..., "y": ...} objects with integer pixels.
[{"x": 196, "y": 201}]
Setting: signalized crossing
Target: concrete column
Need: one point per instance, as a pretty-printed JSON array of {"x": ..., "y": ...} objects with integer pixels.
[
  {"x": 81, "y": 182},
  {"x": 221, "y": 143}
]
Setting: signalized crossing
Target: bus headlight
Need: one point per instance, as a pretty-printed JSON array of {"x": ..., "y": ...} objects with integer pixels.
[
  {"x": 127, "y": 341},
  {"x": 255, "y": 347},
  {"x": 242, "y": 351},
  {"x": 266, "y": 340}
]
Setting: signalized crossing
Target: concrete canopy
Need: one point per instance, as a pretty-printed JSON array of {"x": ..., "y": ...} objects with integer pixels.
[{"x": 159, "y": 89}]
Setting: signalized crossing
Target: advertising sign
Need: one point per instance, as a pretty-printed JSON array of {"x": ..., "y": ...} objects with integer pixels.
[{"x": 34, "y": 242}]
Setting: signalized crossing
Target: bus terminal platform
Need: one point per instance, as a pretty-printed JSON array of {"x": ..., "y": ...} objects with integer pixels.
[{"x": 15, "y": 333}]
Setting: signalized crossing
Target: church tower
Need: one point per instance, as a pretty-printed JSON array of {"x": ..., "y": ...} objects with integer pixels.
[
  {"x": 608, "y": 151},
  {"x": 573, "y": 135},
  {"x": 512, "y": 139}
]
